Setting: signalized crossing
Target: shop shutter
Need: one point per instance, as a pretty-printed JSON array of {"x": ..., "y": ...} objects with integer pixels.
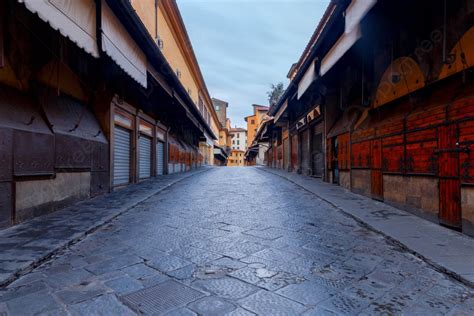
[
  {"x": 144, "y": 144},
  {"x": 160, "y": 157},
  {"x": 305, "y": 152},
  {"x": 122, "y": 138}
]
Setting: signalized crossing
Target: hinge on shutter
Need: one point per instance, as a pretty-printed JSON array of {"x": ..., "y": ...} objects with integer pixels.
[
  {"x": 368, "y": 160},
  {"x": 360, "y": 160}
]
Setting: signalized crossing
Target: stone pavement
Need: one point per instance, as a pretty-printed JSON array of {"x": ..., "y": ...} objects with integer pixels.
[
  {"x": 447, "y": 250},
  {"x": 25, "y": 245},
  {"x": 235, "y": 241}
]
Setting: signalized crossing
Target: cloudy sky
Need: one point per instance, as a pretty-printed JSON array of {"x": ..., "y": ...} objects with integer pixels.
[{"x": 243, "y": 46}]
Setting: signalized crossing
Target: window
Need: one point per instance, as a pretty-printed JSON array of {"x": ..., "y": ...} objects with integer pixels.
[
  {"x": 252, "y": 121},
  {"x": 233, "y": 142},
  {"x": 238, "y": 135},
  {"x": 218, "y": 108},
  {"x": 238, "y": 142}
]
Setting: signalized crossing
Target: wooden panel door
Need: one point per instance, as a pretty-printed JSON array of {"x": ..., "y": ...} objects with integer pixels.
[
  {"x": 449, "y": 182},
  {"x": 376, "y": 169}
]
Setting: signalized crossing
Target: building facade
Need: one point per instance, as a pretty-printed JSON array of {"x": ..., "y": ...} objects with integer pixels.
[
  {"x": 86, "y": 110},
  {"x": 255, "y": 152},
  {"x": 384, "y": 108},
  {"x": 223, "y": 150},
  {"x": 165, "y": 25},
  {"x": 239, "y": 138}
]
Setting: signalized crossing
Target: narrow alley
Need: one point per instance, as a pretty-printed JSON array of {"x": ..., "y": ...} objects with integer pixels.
[{"x": 221, "y": 242}]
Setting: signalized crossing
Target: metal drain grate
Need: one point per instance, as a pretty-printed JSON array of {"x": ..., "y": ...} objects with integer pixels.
[{"x": 161, "y": 298}]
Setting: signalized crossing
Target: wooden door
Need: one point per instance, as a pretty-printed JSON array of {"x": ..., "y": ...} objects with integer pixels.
[
  {"x": 376, "y": 169},
  {"x": 449, "y": 182}
]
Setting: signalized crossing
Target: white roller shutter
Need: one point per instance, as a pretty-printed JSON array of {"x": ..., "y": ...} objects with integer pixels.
[
  {"x": 144, "y": 145},
  {"x": 122, "y": 138},
  {"x": 160, "y": 155}
]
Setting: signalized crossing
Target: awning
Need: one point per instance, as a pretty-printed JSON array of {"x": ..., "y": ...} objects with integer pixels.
[
  {"x": 343, "y": 44},
  {"x": 354, "y": 14},
  {"x": 75, "y": 20},
  {"x": 281, "y": 111},
  {"x": 307, "y": 79},
  {"x": 119, "y": 45}
]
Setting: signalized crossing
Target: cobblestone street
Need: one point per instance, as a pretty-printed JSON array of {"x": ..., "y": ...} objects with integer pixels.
[{"x": 235, "y": 241}]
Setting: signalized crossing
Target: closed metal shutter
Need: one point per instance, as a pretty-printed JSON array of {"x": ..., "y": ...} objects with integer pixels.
[
  {"x": 122, "y": 138},
  {"x": 160, "y": 156},
  {"x": 305, "y": 152},
  {"x": 144, "y": 144}
]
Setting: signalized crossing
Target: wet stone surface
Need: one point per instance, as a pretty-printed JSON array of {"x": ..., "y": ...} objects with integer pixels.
[{"x": 234, "y": 241}]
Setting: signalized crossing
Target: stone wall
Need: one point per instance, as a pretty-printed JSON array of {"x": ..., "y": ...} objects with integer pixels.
[
  {"x": 419, "y": 195},
  {"x": 38, "y": 197},
  {"x": 361, "y": 181},
  {"x": 345, "y": 179},
  {"x": 467, "y": 206}
]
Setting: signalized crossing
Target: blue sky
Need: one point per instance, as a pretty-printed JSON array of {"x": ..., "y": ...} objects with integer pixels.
[{"x": 243, "y": 46}]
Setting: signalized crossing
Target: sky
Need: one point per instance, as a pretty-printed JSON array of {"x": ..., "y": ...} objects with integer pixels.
[{"x": 243, "y": 46}]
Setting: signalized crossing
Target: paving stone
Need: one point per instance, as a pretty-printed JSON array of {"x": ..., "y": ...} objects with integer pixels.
[
  {"x": 113, "y": 264},
  {"x": 212, "y": 305},
  {"x": 23, "y": 290},
  {"x": 102, "y": 305},
  {"x": 246, "y": 274},
  {"x": 226, "y": 287},
  {"x": 31, "y": 304},
  {"x": 139, "y": 271},
  {"x": 81, "y": 292},
  {"x": 239, "y": 312},
  {"x": 229, "y": 263},
  {"x": 307, "y": 293},
  {"x": 319, "y": 248},
  {"x": 124, "y": 285},
  {"x": 267, "y": 303},
  {"x": 343, "y": 304},
  {"x": 168, "y": 263},
  {"x": 183, "y": 273}
]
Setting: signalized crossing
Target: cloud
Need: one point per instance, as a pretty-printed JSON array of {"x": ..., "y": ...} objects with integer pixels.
[{"x": 243, "y": 46}]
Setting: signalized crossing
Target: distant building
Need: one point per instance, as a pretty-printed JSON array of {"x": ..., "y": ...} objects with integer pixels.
[
  {"x": 238, "y": 147},
  {"x": 254, "y": 121},
  {"x": 222, "y": 151},
  {"x": 239, "y": 139},
  {"x": 236, "y": 158},
  {"x": 255, "y": 153}
]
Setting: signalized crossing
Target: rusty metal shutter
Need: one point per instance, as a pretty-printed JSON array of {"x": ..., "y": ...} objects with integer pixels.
[
  {"x": 122, "y": 138},
  {"x": 144, "y": 161},
  {"x": 160, "y": 157}
]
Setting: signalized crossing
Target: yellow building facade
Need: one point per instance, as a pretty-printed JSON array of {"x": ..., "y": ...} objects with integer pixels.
[
  {"x": 254, "y": 121},
  {"x": 163, "y": 21},
  {"x": 236, "y": 158}
]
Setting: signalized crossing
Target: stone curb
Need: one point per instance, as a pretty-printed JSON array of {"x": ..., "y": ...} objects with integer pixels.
[
  {"x": 397, "y": 242},
  {"x": 81, "y": 235}
]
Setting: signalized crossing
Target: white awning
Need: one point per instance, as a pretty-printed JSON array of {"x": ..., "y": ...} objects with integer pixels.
[
  {"x": 74, "y": 19},
  {"x": 119, "y": 45},
  {"x": 308, "y": 78},
  {"x": 281, "y": 111},
  {"x": 343, "y": 44},
  {"x": 354, "y": 14},
  {"x": 356, "y": 11}
]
